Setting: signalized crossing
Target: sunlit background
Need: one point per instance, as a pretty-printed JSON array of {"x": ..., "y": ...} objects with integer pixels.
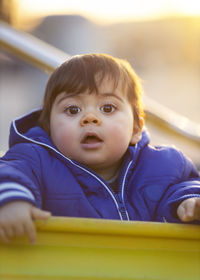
[
  {"x": 161, "y": 39},
  {"x": 106, "y": 11}
]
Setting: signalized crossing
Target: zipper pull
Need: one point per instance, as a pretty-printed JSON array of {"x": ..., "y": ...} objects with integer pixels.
[{"x": 122, "y": 208}]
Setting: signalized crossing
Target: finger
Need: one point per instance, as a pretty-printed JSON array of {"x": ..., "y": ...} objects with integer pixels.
[
  {"x": 197, "y": 209},
  {"x": 36, "y": 213},
  {"x": 19, "y": 230},
  {"x": 181, "y": 213},
  {"x": 9, "y": 231},
  {"x": 3, "y": 236},
  {"x": 29, "y": 228},
  {"x": 189, "y": 210}
]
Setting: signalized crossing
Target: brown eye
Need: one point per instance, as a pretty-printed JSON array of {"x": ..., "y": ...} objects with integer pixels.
[
  {"x": 108, "y": 108},
  {"x": 73, "y": 110}
]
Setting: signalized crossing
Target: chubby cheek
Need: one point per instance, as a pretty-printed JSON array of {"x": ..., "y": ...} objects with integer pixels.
[
  {"x": 62, "y": 137},
  {"x": 120, "y": 136}
]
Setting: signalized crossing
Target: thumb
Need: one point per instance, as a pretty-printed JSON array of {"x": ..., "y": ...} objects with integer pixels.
[
  {"x": 181, "y": 213},
  {"x": 37, "y": 213}
]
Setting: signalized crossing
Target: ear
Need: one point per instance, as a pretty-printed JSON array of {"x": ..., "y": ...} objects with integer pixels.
[{"x": 137, "y": 132}]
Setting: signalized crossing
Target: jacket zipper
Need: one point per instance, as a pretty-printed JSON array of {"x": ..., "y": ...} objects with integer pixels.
[
  {"x": 116, "y": 200},
  {"x": 120, "y": 196},
  {"x": 121, "y": 208}
]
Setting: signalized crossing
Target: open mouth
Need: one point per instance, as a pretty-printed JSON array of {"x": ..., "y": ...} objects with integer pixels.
[{"x": 91, "y": 140}]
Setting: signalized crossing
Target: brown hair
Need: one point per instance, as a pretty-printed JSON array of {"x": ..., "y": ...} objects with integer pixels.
[{"x": 78, "y": 74}]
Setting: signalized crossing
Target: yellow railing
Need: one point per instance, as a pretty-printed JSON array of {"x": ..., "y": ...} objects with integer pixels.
[{"x": 75, "y": 248}]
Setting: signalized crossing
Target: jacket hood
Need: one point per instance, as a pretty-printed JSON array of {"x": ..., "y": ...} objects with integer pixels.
[{"x": 26, "y": 129}]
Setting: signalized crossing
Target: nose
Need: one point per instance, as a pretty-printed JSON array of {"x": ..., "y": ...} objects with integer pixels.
[{"x": 90, "y": 118}]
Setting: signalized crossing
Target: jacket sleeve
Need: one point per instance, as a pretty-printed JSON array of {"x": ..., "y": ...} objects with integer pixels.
[
  {"x": 20, "y": 175},
  {"x": 187, "y": 186}
]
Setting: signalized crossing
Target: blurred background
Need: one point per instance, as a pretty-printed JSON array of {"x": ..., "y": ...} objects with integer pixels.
[{"x": 161, "y": 40}]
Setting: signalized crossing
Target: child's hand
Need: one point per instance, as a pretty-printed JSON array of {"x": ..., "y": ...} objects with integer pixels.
[
  {"x": 189, "y": 209},
  {"x": 17, "y": 218}
]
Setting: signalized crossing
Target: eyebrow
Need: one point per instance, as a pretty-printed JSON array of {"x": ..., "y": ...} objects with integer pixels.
[
  {"x": 66, "y": 96},
  {"x": 111, "y": 95}
]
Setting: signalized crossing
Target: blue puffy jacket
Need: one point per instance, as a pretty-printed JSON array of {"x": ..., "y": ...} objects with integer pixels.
[{"x": 152, "y": 181}]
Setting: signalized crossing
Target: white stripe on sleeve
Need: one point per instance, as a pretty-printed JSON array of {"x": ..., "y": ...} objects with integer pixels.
[{"x": 14, "y": 189}]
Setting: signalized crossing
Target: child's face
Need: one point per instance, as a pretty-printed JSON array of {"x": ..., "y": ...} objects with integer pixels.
[{"x": 94, "y": 129}]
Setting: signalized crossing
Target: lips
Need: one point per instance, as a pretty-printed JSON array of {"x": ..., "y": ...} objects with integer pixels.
[{"x": 91, "y": 140}]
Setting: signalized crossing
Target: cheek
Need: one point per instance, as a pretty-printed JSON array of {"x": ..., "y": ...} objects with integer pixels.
[
  {"x": 119, "y": 137},
  {"x": 62, "y": 135},
  {"x": 122, "y": 128}
]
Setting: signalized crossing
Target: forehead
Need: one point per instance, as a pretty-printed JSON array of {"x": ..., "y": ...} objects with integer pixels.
[
  {"x": 106, "y": 89},
  {"x": 110, "y": 85},
  {"x": 104, "y": 82},
  {"x": 104, "y": 85}
]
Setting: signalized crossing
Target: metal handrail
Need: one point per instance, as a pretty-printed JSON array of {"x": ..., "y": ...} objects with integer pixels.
[
  {"x": 47, "y": 58},
  {"x": 30, "y": 48}
]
